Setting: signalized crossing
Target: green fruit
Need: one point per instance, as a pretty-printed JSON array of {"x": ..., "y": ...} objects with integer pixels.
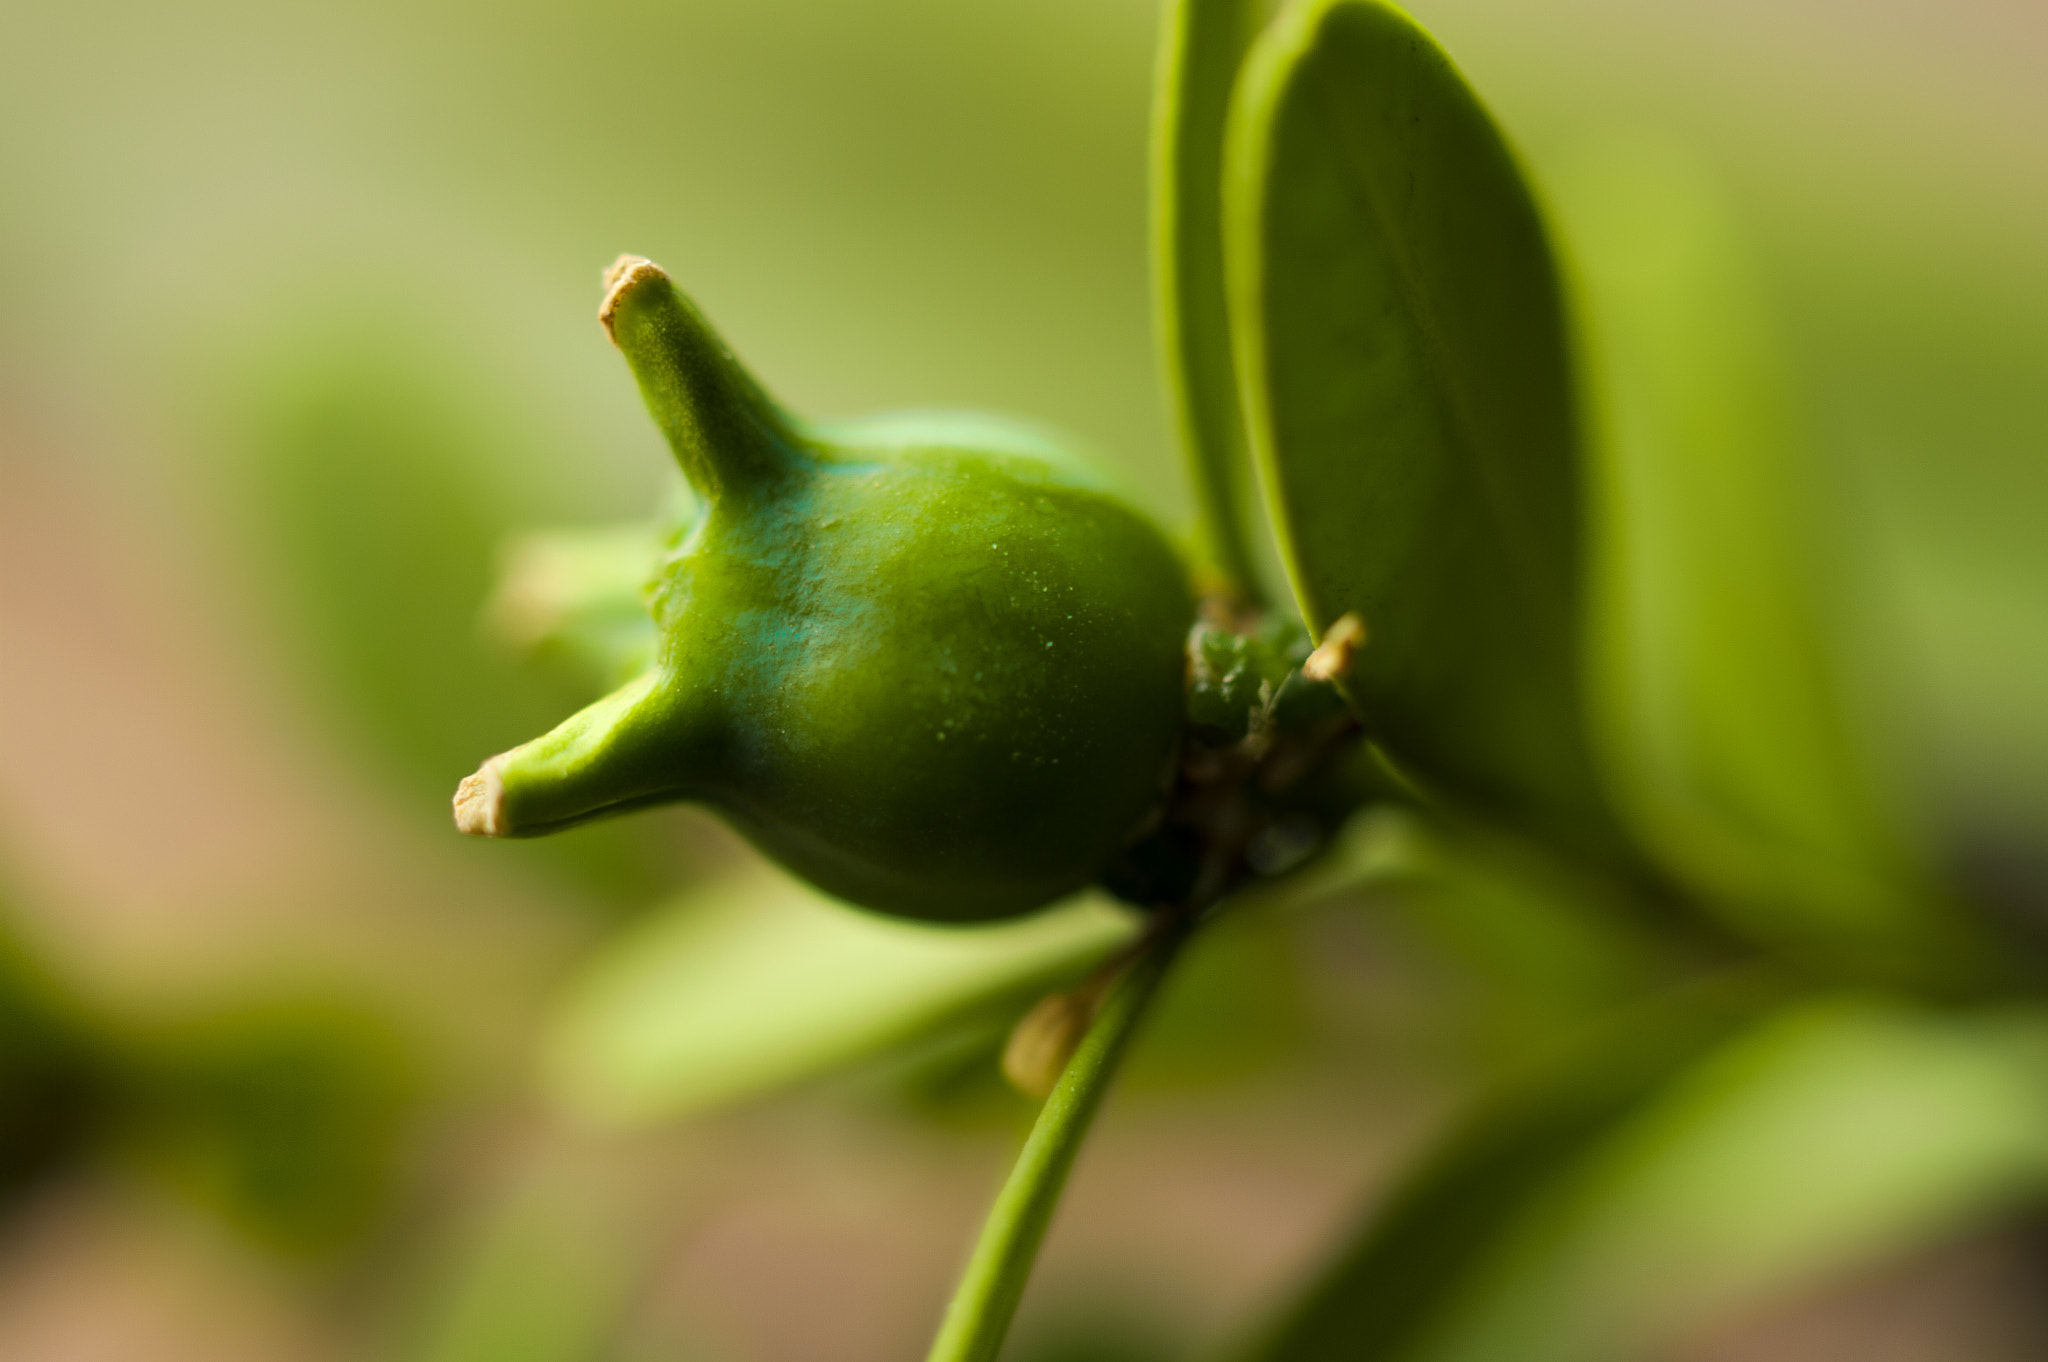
[{"x": 927, "y": 663}]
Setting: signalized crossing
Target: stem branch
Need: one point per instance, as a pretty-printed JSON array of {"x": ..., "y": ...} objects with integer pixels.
[{"x": 979, "y": 1315}]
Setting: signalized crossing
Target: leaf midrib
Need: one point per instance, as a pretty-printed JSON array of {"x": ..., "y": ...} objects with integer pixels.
[{"x": 1445, "y": 393}]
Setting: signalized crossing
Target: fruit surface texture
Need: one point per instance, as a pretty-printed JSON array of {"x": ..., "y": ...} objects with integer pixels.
[{"x": 927, "y": 662}]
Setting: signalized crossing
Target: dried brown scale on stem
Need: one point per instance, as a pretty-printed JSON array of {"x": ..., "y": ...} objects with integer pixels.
[
  {"x": 1331, "y": 661},
  {"x": 1044, "y": 1039}
]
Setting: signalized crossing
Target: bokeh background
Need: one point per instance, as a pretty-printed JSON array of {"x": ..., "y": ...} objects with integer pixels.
[{"x": 297, "y": 327}]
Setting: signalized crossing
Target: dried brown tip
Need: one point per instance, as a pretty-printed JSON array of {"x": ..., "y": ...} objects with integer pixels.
[
  {"x": 480, "y": 801},
  {"x": 621, "y": 275},
  {"x": 1331, "y": 661}
]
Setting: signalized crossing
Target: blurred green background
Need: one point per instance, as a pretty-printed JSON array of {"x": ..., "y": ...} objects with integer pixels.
[{"x": 297, "y": 326}]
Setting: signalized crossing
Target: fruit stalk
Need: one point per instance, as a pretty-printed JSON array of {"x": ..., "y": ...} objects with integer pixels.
[{"x": 979, "y": 1315}]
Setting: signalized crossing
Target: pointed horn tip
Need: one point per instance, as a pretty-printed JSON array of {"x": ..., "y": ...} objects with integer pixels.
[
  {"x": 623, "y": 274},
  {"x": 480, "y": 801}
]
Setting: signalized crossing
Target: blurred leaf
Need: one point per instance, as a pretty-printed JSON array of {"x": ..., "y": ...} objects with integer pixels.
[
  {"x": 1549, "y": 948},
  {"x": 578, "y": 598},
  {"x": 1202, "y": 44},
  {"x": 1231, "y": 1006},
  {"x": 1101, "y": 1336},
  {"x": 545, "y": 1276},
  {"x": 284, "y": 1115},
  {"x": 1721, "y": 714},
  {"x": 370, "y": 493},
  {"x": 56, "y": 1072},
  {"x": 378, "y": 506},
  {"x": 1402, "y": 355},
  {"x": 759, "y": 982},
  {"x": 1620, "y": 1207}
]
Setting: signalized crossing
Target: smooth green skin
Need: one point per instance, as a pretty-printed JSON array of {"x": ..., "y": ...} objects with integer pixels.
[
  {"x": 1202, "y": 44},
  {"x": 926, "y": 663},
  {"x": 1402, "y": 354}
]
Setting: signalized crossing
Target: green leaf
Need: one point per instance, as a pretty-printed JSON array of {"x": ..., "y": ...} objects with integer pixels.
[
  {"x": 1402, "y": 356},
  {"x": 753, "y": 984},
  {"x": 978, "y": 1317},
  {"x": 1202, "y": 44},
  {"x": 1721, "y": 715},
  {"x": 1627, "y": 1207},
  {"x": 287, "y": 1113}
]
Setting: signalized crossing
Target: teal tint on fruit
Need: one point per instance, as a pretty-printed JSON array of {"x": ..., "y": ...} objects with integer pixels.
[{"x": 928, "y": 663}]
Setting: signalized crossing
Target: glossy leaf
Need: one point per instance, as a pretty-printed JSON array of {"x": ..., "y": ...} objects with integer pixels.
[
  {"x": 1721, "y": 713},
  {"x": 1402, "y": 356},
  {"x": 1202, "y": 45},
  {"x": 1625, "y": 1207},
  {"x": 760, "y": 982}
]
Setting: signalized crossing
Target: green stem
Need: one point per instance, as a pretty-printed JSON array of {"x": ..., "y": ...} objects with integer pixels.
[{"x": 986, "y": 1299}]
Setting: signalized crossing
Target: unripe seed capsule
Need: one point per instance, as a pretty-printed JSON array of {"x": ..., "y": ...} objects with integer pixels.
[{"x": 928, "y": 662}]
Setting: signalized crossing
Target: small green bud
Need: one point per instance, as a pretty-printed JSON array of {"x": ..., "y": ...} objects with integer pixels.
[
  {"x": 927, "y": 662},
  {"x": 1251, "y": 679}
]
